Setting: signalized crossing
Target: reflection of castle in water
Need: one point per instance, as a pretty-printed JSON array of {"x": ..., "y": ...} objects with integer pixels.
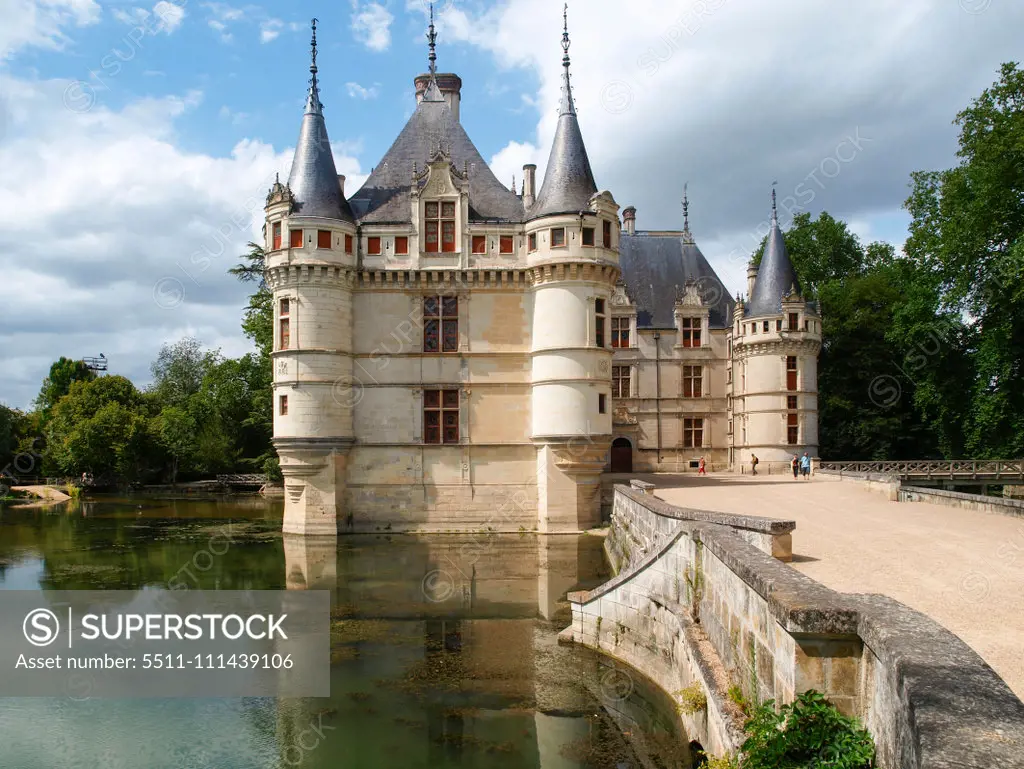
[{"x": 466, "y": 628}]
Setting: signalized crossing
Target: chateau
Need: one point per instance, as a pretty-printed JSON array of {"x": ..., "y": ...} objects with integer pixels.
[{"x": 454, "y": 354}]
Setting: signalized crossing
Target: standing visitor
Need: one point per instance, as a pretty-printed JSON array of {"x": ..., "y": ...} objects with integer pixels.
[
  {"x": 796, "y": 467},
  {"x": 701, "y": 470},
  {"x": 753, "y": 463},
  {"x": 805, "y": 466}
]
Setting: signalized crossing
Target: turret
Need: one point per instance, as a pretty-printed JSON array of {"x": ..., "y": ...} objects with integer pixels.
[
  {"x": 310, "y": 257},
  {"x": 572, "y": 244},
  {"x": 776, "y": 340}
]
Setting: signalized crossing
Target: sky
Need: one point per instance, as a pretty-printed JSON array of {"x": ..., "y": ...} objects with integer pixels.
[{"x": 138, "y": 141}]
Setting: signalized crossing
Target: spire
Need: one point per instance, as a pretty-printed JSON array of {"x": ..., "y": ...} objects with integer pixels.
[
  {"x": 568, "y": 107},
  {"x": 776, "y": 277},
  {"x": 432, "y": 41},
  {"x": 687, "y": 237},
  {"x": 314, "y": 178},
  {"x": 313, "y": 104},
  {"x": 433, "y": 91},
  {"x": 568, "y": 181}
]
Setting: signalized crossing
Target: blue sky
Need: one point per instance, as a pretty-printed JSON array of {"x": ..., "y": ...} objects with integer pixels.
[{"x": 136, "y": 136}]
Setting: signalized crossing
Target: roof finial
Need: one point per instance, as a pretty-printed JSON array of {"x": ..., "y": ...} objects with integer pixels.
[
  {"x": 513, "y": 184},
  {"x": 432, "y": 39},
  {"x": 686, "y": 208},
  {"x": 568, "y": 107},
  {"x": 313, "y": 98},
  {"x": 775, "y": 215}
]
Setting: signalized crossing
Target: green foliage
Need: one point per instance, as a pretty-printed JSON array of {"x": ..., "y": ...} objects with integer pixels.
[
  {"x": 808, "y": 733},
  {"x": 968, "y": 233},
  {"x": 100, "y": 427},
  {"x": 691, "y": 699},
  {"x": 63, "y": 373},
  {"x": 735, "y": 695},
  {"x": 179, "y": 370}
]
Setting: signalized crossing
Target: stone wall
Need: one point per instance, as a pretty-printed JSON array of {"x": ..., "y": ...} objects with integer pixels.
[
  {"x": 1000, "y": 505},
  {"x": 695, "y": 601}
]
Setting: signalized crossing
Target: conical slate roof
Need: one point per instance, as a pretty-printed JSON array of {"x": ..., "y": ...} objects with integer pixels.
[
  {"x": 568, "y": 181},
  {"x": 775, "y": 275},
  {"x": 314, "y": 178}
]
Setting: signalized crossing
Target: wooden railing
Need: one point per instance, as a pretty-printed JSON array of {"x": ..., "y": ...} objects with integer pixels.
[{"x": 938, "y": 469}]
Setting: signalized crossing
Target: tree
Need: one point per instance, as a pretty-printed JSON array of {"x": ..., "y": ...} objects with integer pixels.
[
  {"x": 100, "y": 427},
  {"x": 175, "y": 431},
  {"x": 968, "y": 232},
  {"x": 179, "y": 370},
  {"x": 63, "y": 373}
]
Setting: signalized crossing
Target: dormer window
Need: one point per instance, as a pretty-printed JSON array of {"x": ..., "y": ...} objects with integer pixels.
[
  {"x": 558, "y": 237},
  {"x": 691, "y": 328},
  {"x": 439, "y": 223}
]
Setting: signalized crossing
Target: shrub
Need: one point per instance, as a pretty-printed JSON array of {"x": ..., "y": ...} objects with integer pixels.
[
  {"x": 809, "y": 733},
  {"x": 691, "y": 699}
]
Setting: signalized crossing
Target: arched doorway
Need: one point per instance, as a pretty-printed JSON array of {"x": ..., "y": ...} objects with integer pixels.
[{"x": 622, "y": 456}]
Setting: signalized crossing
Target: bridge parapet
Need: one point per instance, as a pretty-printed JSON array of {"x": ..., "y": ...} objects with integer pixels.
[
  {"x": 988, "y": 470},
  {"x": 703, "y": 604}
]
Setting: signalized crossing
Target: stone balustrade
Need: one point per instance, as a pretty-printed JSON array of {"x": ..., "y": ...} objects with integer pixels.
[{"x": 698, "y": 598}]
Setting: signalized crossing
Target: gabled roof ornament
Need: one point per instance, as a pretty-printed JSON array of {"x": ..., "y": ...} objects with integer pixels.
[
  {"x": 775, "y": 212},
  {"x": 687, "y": 235}
]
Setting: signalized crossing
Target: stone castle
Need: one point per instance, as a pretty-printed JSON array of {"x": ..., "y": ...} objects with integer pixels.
[{"x": 453, "y": 354}]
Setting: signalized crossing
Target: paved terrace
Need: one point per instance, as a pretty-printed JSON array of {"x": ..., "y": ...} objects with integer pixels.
[{"x": 963, "y": 568}]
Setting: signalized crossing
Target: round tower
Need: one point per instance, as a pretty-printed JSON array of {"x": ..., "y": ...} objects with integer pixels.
[
  {"x": 572, "y": 237},
  {"x": 776, "y": 341},
  {"x": 310, "y": 262}
]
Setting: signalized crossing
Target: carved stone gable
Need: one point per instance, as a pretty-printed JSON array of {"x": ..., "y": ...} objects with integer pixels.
[{"x": 620, "y": 298}]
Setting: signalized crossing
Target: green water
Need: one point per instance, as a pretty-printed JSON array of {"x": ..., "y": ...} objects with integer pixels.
[{"x": 443, "y": 648}]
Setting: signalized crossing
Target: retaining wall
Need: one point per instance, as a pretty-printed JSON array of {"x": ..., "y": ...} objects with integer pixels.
[{"x": 697, "y": 601}]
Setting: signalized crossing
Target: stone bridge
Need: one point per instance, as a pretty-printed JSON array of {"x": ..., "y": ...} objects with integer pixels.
[
  {"x": 699, "y": 598},
  {"x": 958, "y": 471}
]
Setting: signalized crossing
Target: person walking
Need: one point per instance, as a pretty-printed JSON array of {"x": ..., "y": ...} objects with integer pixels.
[
  {"x": 796, "y": 467},
  {"x": 805, "y": 466},
  {"x": 753, "y": 464},
  {"x": 701, "y": 470}
]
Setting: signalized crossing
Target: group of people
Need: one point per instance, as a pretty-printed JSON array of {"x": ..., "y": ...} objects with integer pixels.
[{"x": 801, "y": 465}]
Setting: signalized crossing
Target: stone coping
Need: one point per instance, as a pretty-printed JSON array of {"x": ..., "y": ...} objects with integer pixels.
[
  {"x": 1016, "y": 506},
  {"x": 660, "y": 507},
  {"x": 883, "y": 477}
]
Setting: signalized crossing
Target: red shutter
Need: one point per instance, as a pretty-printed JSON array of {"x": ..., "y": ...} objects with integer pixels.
[{"x": 448, "y": 236}]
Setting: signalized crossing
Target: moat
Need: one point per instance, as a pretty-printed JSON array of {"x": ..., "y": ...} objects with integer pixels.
[{"x": 443, "y": 648}]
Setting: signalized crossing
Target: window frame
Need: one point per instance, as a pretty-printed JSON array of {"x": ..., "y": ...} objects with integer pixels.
[
  {"x": 602, "y": 403},
  {"x": 439, "y": 218},
  {"x": 793, "y": 321},
  {"x": 438, "y": 434},
  {"x": 531, "y": 241},
  {"x": 693, "y": 428},
  {"x": 291, "y": 238},
  {"x": 321, "y": 236},
  {"x": 284, "y": 325},
  {"x": 606, "y": 233},
  {"x": 691, "y": 335},
  {"x": 275, "y": 236},
  {"x": 622, "y": 376},
  {"x": 478, "y": 239},
  {"x": 792, "y": 429},
  {"x": 282, "y": 405},
  {"x": 402, "y": 250},
  {"x": 621, "y": 336},
  {"x": 588, "y": 231},
  {"x": 564, "y": 242},
  {"x": 440, "y": 324},
  {"x": 371, "y": 242},
  {"x": 792, "y": 374},
  {"x": 349, "y": 243},
  {"x": 599, "y": 319},
  {"x": 693, "y": 381},
  {"x": 510, "y": 239}
]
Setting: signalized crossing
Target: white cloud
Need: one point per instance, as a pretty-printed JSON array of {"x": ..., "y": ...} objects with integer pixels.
[
  {"x": 371, "y": 25},
  {"x": 221, "y": 16},
  {"x": 42, "y": 24},
  {"x": 170, "y": 14},
  {"x": 121, "y": 222},
  {"x": 357, "y": 91},
  {"x": 270, "y": 30},
  {"x": 734, "y": 96}
]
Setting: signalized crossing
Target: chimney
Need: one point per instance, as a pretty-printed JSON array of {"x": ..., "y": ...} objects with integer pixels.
[
  {"x": 529, "y": 184},
  {"x": 341, "y": 184},
  {"x": 751, "y": 277},
  {"x": 450, "y": 86},
  {"x": 629, "y": 220}
]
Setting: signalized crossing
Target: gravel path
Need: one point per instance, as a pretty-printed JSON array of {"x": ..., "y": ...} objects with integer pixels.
[{"x": 961, "y": 567}]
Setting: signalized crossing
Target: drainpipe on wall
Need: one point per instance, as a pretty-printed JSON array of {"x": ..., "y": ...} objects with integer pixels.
[{"x": 657, "y": 387}]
